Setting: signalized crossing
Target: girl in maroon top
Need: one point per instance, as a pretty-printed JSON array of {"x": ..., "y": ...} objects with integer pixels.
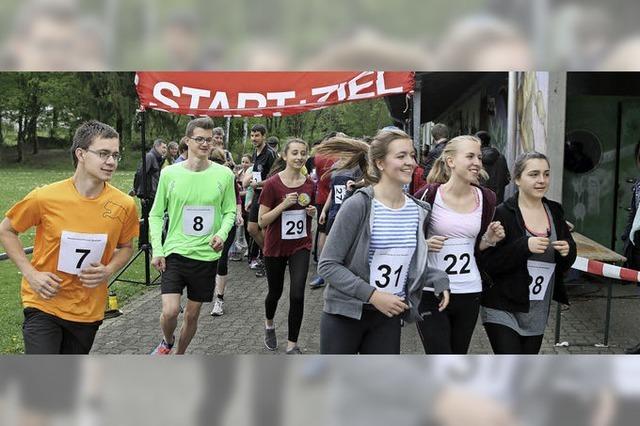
[{"x": 286, "y": 210}]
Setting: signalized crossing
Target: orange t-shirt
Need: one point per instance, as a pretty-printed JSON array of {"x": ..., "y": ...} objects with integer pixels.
[{"x": 71, "y": 232}]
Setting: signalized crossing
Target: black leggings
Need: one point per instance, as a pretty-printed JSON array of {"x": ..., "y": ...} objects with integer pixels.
[
  {"x": 223, "y": 262},
  {"x": 449, "y": 331},
  {"x": 505, "y": 340},
  {"x": 373, "y": 333},
  {"x": 298, "y": 269}
]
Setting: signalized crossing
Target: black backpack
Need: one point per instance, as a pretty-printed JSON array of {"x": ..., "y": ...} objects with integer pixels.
[{"x": 137, "y": 182}]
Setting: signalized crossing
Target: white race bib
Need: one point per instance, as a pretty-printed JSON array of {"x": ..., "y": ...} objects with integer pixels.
[
  {"x": 197, "y": 220},
  {"x": 257, "y": 176},
  {"x": 339, "y": 192},
  {"x": 541, "y": 273},
  {"x": 389, "y": 269},
  {"x": 78, "y": 251},
  {"x": 294, "y": 224},
  {"x": 458, "y": 260}
]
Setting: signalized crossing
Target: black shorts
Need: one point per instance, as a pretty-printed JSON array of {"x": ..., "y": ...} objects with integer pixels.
[
  {"x": 255, "y": 206},
  {"x": 321, "y": 227},
  {"x": 44, "y": 333},
  {"x": 197, "y": 276}
]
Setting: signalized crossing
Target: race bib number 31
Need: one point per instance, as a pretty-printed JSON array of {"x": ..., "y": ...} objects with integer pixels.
[
  {"x": 389, "y": 270},
  {"x": 197, "y": 221},
  {"x": 78, "y": 251},
  {"x": 294, "y": 225},
  {"x": 541, "y": 273}
]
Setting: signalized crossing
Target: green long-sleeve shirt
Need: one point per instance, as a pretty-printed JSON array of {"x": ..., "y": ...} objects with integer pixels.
[{"x": 199, "y": 204}]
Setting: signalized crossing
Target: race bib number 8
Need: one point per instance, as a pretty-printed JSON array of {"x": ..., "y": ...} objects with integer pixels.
[
  {"x": 389, "y": 269},
  {"x": 197, "y": 221},
  {"x": 339, "y": 192},
  {"x": 294, "y": 225},
  {"x": 541, "y": 273},
  {"x": 257, "y": 176},
  {"x": 78, "y": 251},
  {"x": 457, "y": 259}
]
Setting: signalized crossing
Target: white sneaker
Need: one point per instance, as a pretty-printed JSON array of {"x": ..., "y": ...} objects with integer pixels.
[{"x": 218, "y": 308}]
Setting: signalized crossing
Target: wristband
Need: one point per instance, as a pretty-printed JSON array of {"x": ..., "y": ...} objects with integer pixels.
[{"x": 486, "y": 240}]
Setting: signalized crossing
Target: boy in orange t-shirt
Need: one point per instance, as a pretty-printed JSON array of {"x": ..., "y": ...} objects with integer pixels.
[{"x": 84, "y": 231}]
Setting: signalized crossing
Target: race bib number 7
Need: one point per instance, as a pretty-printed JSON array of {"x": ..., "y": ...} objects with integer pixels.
[
  {"x": 197, "y": 221},
  {"x": 79, "y": 250}
]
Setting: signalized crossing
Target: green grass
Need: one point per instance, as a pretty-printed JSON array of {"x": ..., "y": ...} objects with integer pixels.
[{"x": 16, "y": 180}]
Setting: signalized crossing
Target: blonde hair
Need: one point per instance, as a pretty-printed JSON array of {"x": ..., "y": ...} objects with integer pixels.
[
  {"x": 217, "y": 156},
  {"x": 441, "y": 172},
  {"x": 355, "y": 152}
]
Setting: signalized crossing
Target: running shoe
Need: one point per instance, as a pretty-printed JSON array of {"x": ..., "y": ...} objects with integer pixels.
[
  {"x": 260, "y": 272},
  {"x": 255, "y": 264},
  {"x": 316, "y": 282},
  {"x": 218, "y": 308},
  {"x": 270, "y": 339},
  {"x": 163, "y": 348},
  {"x": 294, "y": 351}
]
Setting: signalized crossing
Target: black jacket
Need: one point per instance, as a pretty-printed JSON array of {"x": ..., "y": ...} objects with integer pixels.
[
  {"x": 506, "y": 264},
  {"x": 153, "y": 163},
  {"x": 432, "y": 156},
  {"x": 496, "y": 166}
]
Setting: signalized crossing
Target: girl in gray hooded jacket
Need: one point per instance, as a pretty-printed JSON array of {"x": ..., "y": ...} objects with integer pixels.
[{"x": 375, "y": 257}]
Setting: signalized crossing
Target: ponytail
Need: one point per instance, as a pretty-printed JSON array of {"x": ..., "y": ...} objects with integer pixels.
[{"x": 441, "y": 172}]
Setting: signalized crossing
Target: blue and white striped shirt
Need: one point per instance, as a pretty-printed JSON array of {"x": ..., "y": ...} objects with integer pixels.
[{"x": 394, "y": 228}]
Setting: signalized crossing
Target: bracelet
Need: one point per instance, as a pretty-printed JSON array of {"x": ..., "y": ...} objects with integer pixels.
[{"x": 486, "y": 240}]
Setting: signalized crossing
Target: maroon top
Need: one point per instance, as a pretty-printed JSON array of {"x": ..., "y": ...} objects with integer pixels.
[{"x": 273, "y": 192}]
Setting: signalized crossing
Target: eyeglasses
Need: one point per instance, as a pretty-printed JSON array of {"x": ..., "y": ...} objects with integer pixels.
[
  {"x": 104, "y": 155},
  {"x": 202, "y": 140}
]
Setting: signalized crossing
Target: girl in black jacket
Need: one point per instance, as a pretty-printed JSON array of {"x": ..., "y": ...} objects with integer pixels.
[{"x": 526, "y": 268}]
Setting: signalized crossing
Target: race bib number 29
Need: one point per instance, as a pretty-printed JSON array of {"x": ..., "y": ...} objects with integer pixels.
[
  {"x": 294, "y": 225},
  {"x": 78, "y": 251}
]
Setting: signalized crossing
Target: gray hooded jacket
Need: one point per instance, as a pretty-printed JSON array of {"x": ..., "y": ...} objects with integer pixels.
[{"x": 344, "y": 262}]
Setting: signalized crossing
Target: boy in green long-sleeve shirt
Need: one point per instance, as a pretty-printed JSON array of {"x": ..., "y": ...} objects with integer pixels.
[{"x": 199, "y": 198}]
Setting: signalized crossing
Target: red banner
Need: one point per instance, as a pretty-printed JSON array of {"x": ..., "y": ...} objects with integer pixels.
[{"x": 239, "y": 94}]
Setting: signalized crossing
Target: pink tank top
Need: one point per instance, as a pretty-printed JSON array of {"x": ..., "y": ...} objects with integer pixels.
[{"x": 449, "y": 223}]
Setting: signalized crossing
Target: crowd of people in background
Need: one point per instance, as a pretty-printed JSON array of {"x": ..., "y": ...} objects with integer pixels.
[{"x": 397, "y": 240}]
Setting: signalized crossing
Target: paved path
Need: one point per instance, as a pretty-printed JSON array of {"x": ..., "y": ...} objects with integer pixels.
[{"x": 240, "y": 329}]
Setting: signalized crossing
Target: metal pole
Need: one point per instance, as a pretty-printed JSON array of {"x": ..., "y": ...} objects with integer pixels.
[
  {"x": 5, "y": 256},
  {"x": 417, "y": 105},
  {"x": 145, "y": 202},
  {"x": 512, "y": 127},
  {"x": 226, "y": 134},
  {"x": 558, "y": 319},
  {"x": 608, "y": 314}
]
